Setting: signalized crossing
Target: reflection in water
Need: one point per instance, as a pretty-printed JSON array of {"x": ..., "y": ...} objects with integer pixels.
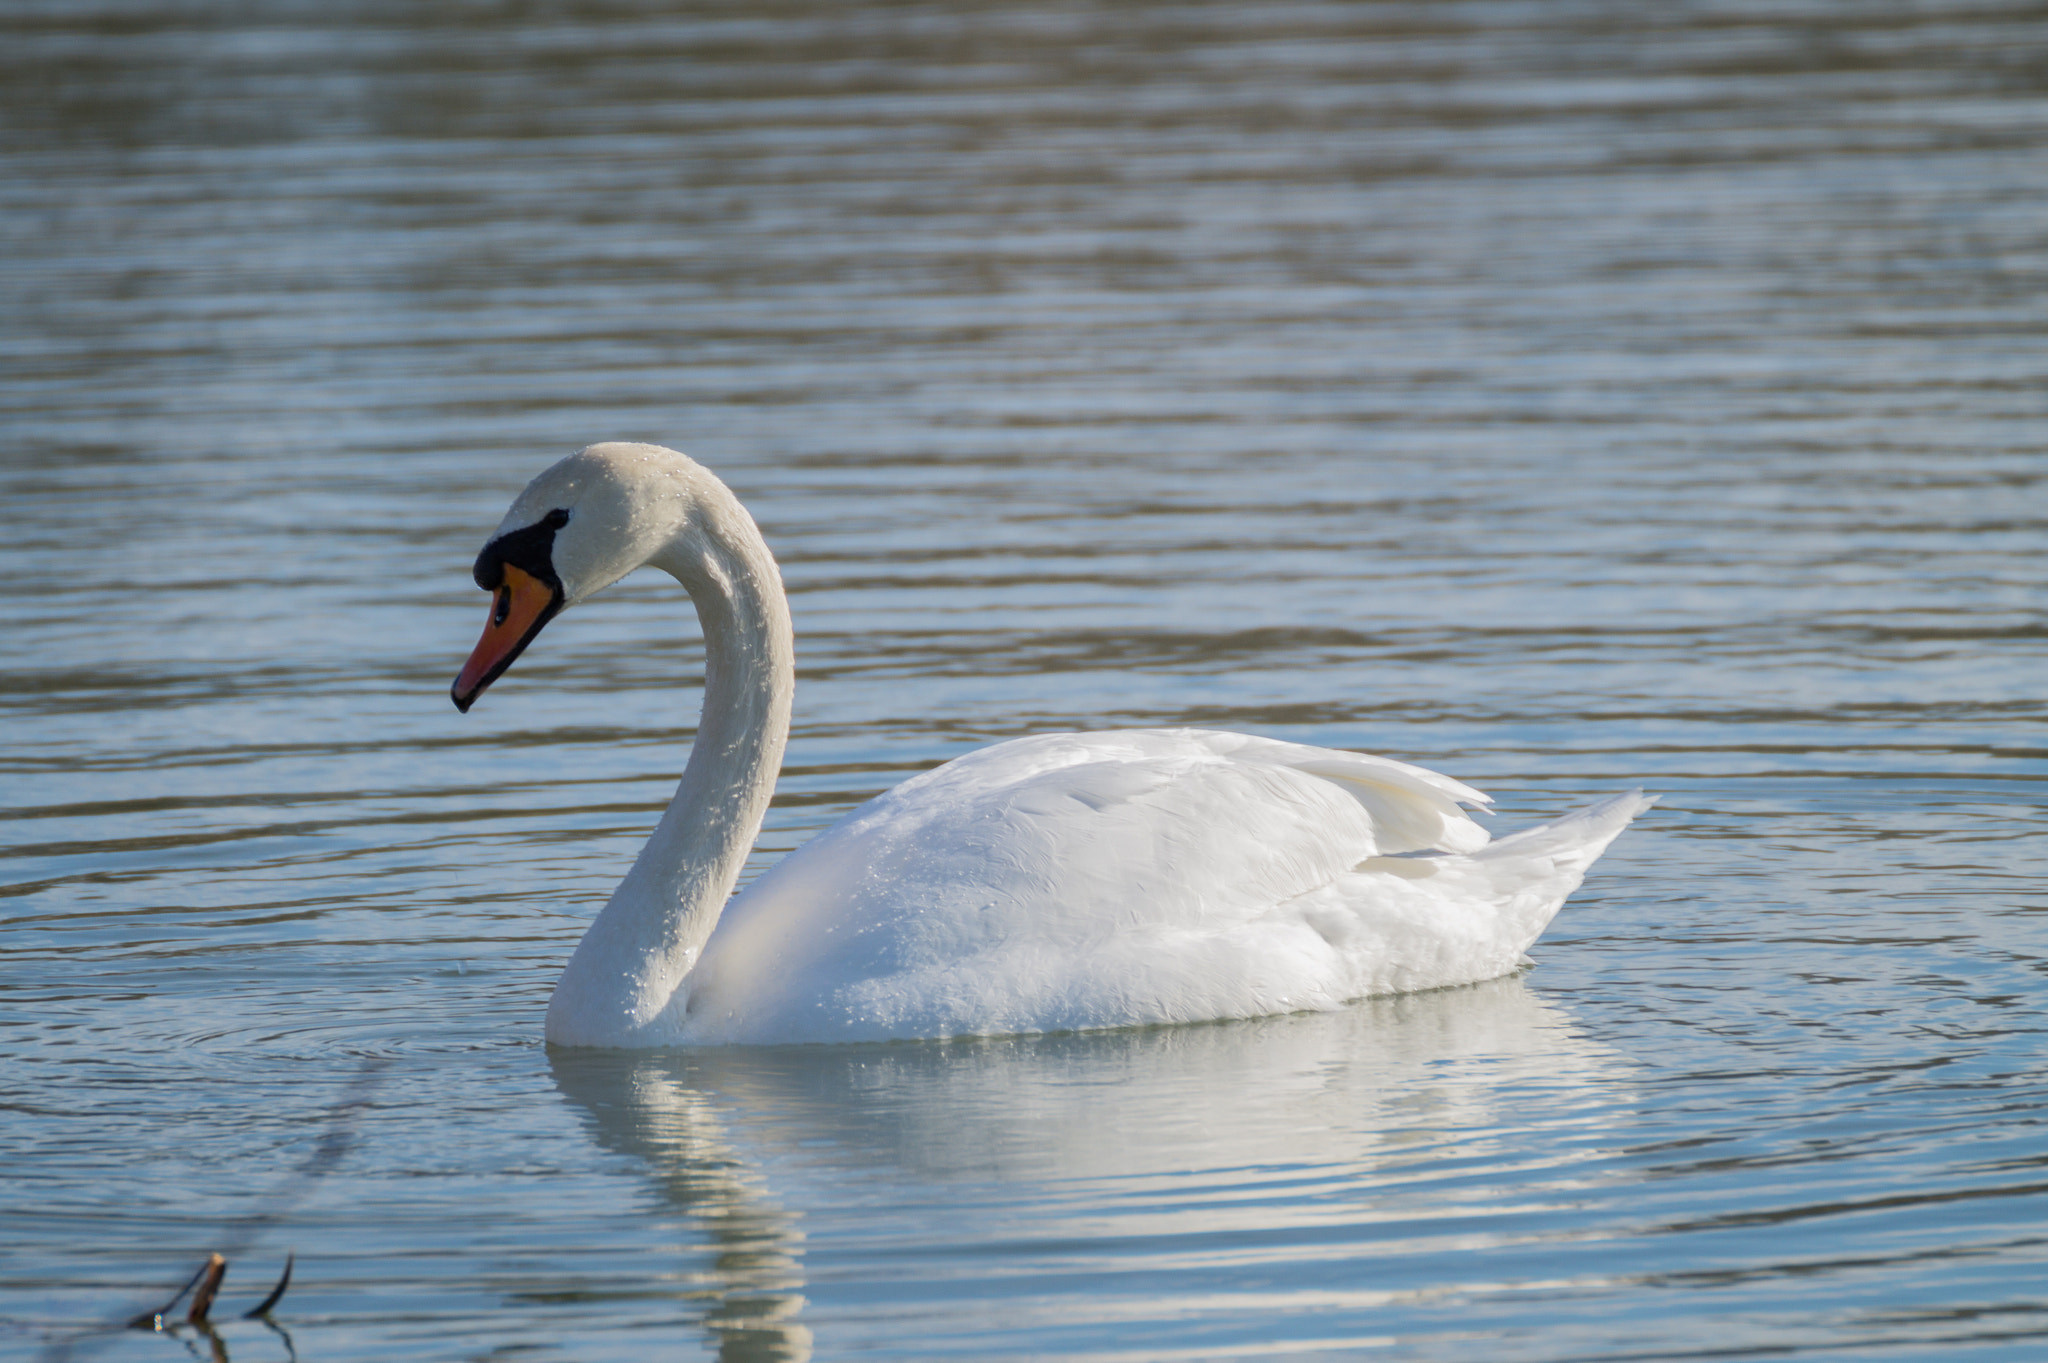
[
  {"x": 647, "y": 1106},
  {"x": 1229, "y": 1114}
]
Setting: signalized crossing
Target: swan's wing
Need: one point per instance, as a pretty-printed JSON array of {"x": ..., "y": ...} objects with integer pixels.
[
  {"x": 1413, "y": 808},
  {"x": 1007, "y": 872},
  {"x": 1395, "y": 924}
]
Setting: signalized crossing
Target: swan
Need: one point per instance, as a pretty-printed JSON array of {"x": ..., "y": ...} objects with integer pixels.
[{"x": 1055, "y": 882}]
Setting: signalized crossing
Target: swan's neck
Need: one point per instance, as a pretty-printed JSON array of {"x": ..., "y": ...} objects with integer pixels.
[{"x": 630, "y": 969}]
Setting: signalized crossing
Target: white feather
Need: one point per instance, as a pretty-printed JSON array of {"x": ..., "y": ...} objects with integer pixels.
[{"x": 1092, "y": 880}]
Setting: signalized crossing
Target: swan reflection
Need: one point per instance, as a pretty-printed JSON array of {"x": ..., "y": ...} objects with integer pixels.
[
  {"x": 1087, "y": 1134},
  {"x": 650, "y": 1106}
]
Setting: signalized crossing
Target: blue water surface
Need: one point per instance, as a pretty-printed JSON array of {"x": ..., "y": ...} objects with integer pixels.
[{"x": 1568, "y": 396}]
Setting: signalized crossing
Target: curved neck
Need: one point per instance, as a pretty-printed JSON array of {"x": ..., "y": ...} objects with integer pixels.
[{"x": 630, "y": 965}]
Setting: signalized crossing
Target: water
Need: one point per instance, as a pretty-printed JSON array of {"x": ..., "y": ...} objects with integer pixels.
[{"x": 1567, "y": 396}]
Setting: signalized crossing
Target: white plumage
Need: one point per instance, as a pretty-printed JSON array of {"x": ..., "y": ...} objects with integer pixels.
[
  {"x": 1108, "y": 879},
  {"x": 1055, "y": 882}
]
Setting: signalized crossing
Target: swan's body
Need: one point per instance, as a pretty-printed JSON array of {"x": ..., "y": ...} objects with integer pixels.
[{"x": 1054, "y": 882}]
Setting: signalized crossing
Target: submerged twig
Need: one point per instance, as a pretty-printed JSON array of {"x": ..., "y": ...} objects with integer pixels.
[
  {"x": 334, "y": 1142},
  {"x": 245, "y": 1231},
  {"x": 209, "y": 1283},
  {"x": 154, "y": 1320},
  {"x": 262, "y": 1308}
]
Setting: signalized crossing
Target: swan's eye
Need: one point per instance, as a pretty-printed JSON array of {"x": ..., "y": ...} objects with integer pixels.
[{"x": 502, "y": 607}]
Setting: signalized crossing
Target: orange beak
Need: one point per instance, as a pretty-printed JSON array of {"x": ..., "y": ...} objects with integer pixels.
[{"x": 519, "y": 607}]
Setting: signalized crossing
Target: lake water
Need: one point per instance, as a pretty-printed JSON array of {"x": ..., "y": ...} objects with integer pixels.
[{"x": 1567, "y": 396}]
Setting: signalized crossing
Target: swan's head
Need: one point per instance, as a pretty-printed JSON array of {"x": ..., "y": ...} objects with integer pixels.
[{"x": 579, "y": 527}]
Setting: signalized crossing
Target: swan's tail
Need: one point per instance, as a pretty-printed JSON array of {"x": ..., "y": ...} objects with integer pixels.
[
  {"x": 1575, "y": 840},
  {"x": 1533, "y": 871}
]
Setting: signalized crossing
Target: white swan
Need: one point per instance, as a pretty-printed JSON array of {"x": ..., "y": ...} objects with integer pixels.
[{"x": 1053, "y": 882}]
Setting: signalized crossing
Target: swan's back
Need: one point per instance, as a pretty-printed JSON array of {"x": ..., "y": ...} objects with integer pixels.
[{"x": 1092, "y": 880}]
